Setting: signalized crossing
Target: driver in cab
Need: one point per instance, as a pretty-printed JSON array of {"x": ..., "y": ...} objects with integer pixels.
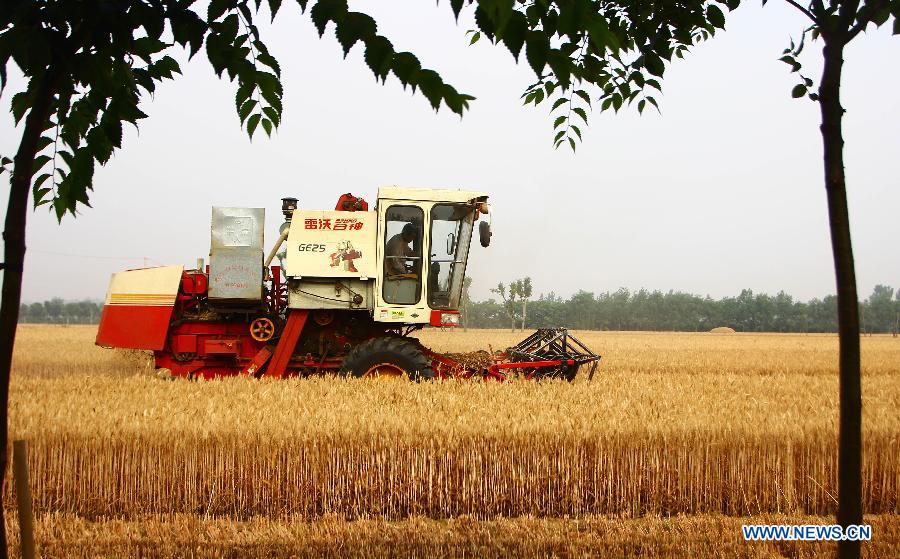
[{"x": 398, "y": 250}]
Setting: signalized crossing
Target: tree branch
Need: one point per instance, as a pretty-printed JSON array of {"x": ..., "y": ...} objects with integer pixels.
[
  {"x": 805, "y": 11},
  {"x": 864, "y": 16},
  {"x": 846, "y": 13}
]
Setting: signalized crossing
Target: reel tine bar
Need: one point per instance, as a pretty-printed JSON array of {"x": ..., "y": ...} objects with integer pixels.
[{"x": 554, "y": 344}]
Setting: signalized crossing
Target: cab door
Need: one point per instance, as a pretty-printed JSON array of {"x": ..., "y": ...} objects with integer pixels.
[{"x": 402, "y": 252}]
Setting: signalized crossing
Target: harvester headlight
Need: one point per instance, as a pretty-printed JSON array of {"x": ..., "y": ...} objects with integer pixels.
[{"x": 450, "y": 319}]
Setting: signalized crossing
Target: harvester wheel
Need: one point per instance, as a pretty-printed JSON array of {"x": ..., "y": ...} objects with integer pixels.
[
  {"x": 262, "y": 329},
  {"x": 388, "y": 358}
]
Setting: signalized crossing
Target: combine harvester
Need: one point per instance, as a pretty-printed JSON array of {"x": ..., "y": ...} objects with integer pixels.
[{"x": 356, "y": 283}]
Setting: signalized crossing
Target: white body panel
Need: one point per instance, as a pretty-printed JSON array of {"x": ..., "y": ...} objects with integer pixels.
[
  {"x": 336, "y": 294},
  {"x": 147, "y": 287},
  {"x": 331, "y": 244},
  {"x": 428, "y": 194}
]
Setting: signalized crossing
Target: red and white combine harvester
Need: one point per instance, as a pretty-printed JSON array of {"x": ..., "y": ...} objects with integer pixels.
[{"x": 353, "y": 285}]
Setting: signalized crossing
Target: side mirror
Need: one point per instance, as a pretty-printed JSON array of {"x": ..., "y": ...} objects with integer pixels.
[{"x": 484, "y": 233}]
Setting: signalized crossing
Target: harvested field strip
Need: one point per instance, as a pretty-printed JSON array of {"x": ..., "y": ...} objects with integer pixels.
[
  {"x": 396, "y": 475},
  {"x": 65, "y": 536}
]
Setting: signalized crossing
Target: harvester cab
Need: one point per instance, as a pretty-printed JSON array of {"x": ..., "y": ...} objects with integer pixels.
[
  {"x": 351, "y": 285},
  {"x": 404, "y": 262}
]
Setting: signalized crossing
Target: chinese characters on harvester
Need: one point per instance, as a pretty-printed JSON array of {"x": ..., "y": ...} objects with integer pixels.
[{"x": 340, "y": 224}]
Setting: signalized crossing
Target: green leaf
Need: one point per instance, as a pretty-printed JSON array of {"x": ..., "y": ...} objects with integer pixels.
[
  {"x": 514, "y": 33},
  {"x": 561, "y": 66},
  {"x": 798, "y": 91},
  {"x": 273, "y": 115},
  {"x": 558, "y": 103},
  {"x": 246, "y": 109},
  {"x": 715, "y": 16},
  {"x": 327, "y": 10},
  {"x": 584, "y": 96},
  {"x": 600, "y": 35},
  {"x": 267, "y": 126},
  {"x": 20, "y": 104},
  {"x": 228, "y": 27},
  {"x": 379, "y": 54},
  {"x": 42, "y": 142},
  {"x": 577, "y": 131},
  {"x": 641, "y": 104},
  {"x": 274, "y": 6},
  {"x": 243, "y": 93},
  {"x": 580, "y": 112},
  {"x": 475, "y": 37},
  {"x": 269, "y": 61},
  {"x": 40, "y": 180},
  {"x": 252, "y": 123},
  {"x": 39, "y": 194},
  {"x": 653, "y": 64},
  {"x": 456, "y": 5},
  {"x": 217, "y": 9},
  {"x": 405, "y": 66},
  {"x": 41, "y": 160},
  {"x": 572, "y": 144},
  {"x": 431, "y": 86},
  {"x": 353, "y": 27},
  {"x": 558, "y": 122},
  {"x": 537, "y": 47}
]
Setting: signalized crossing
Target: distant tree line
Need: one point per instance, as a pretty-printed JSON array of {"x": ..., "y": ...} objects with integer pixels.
[
  {"x": 59, "y": 311},
  {"x": 676, "y": 311},
  {"x": 619, "y": 310}
]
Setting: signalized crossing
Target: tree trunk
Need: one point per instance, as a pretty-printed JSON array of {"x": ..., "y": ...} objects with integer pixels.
[
  {"x": 850, "y": 437},
  {"x": 14, "y": 258}
]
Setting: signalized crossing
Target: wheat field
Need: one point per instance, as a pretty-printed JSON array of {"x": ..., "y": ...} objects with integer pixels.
[{"x": 716, "y": 427}]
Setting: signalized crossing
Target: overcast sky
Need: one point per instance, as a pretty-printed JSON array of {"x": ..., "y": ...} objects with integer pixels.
[{"x": 720, "y": 192}]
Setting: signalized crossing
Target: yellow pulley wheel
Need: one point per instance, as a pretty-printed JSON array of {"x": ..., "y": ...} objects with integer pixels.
[{"x": 262, "y": 329}]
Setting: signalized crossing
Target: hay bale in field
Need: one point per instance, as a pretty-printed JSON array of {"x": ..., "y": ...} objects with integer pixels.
[{"x": 722, "y": 330}]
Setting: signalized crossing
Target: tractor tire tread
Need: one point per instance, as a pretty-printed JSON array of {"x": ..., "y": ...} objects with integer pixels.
[{"x": 393, "y": 349}]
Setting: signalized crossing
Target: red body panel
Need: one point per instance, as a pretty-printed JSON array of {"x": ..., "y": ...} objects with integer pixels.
[
  {"x": 135, "y": 327},
  {"x": 350, "y": 203},
  {"x": 285, "y": 348}
]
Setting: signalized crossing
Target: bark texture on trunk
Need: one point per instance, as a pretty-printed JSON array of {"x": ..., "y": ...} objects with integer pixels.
[
  {"x": 850, "y": 444},
  {"x": 14, "y": 258}
]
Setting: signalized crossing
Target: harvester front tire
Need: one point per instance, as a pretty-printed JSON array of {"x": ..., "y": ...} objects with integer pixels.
[{"x": 391, "y": 352}]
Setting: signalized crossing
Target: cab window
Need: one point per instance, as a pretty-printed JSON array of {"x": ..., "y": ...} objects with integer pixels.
[
  {"x": 403, "y": 255},
  {"x": 451, "y": 231}
]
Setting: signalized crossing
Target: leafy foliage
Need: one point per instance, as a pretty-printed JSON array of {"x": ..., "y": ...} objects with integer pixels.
[
  {"x": 518, "y": 294},
  {"x": 838, "y": 22},
  {"x": 100, "y": 59},
  {"x": 595, "y": 54}
]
